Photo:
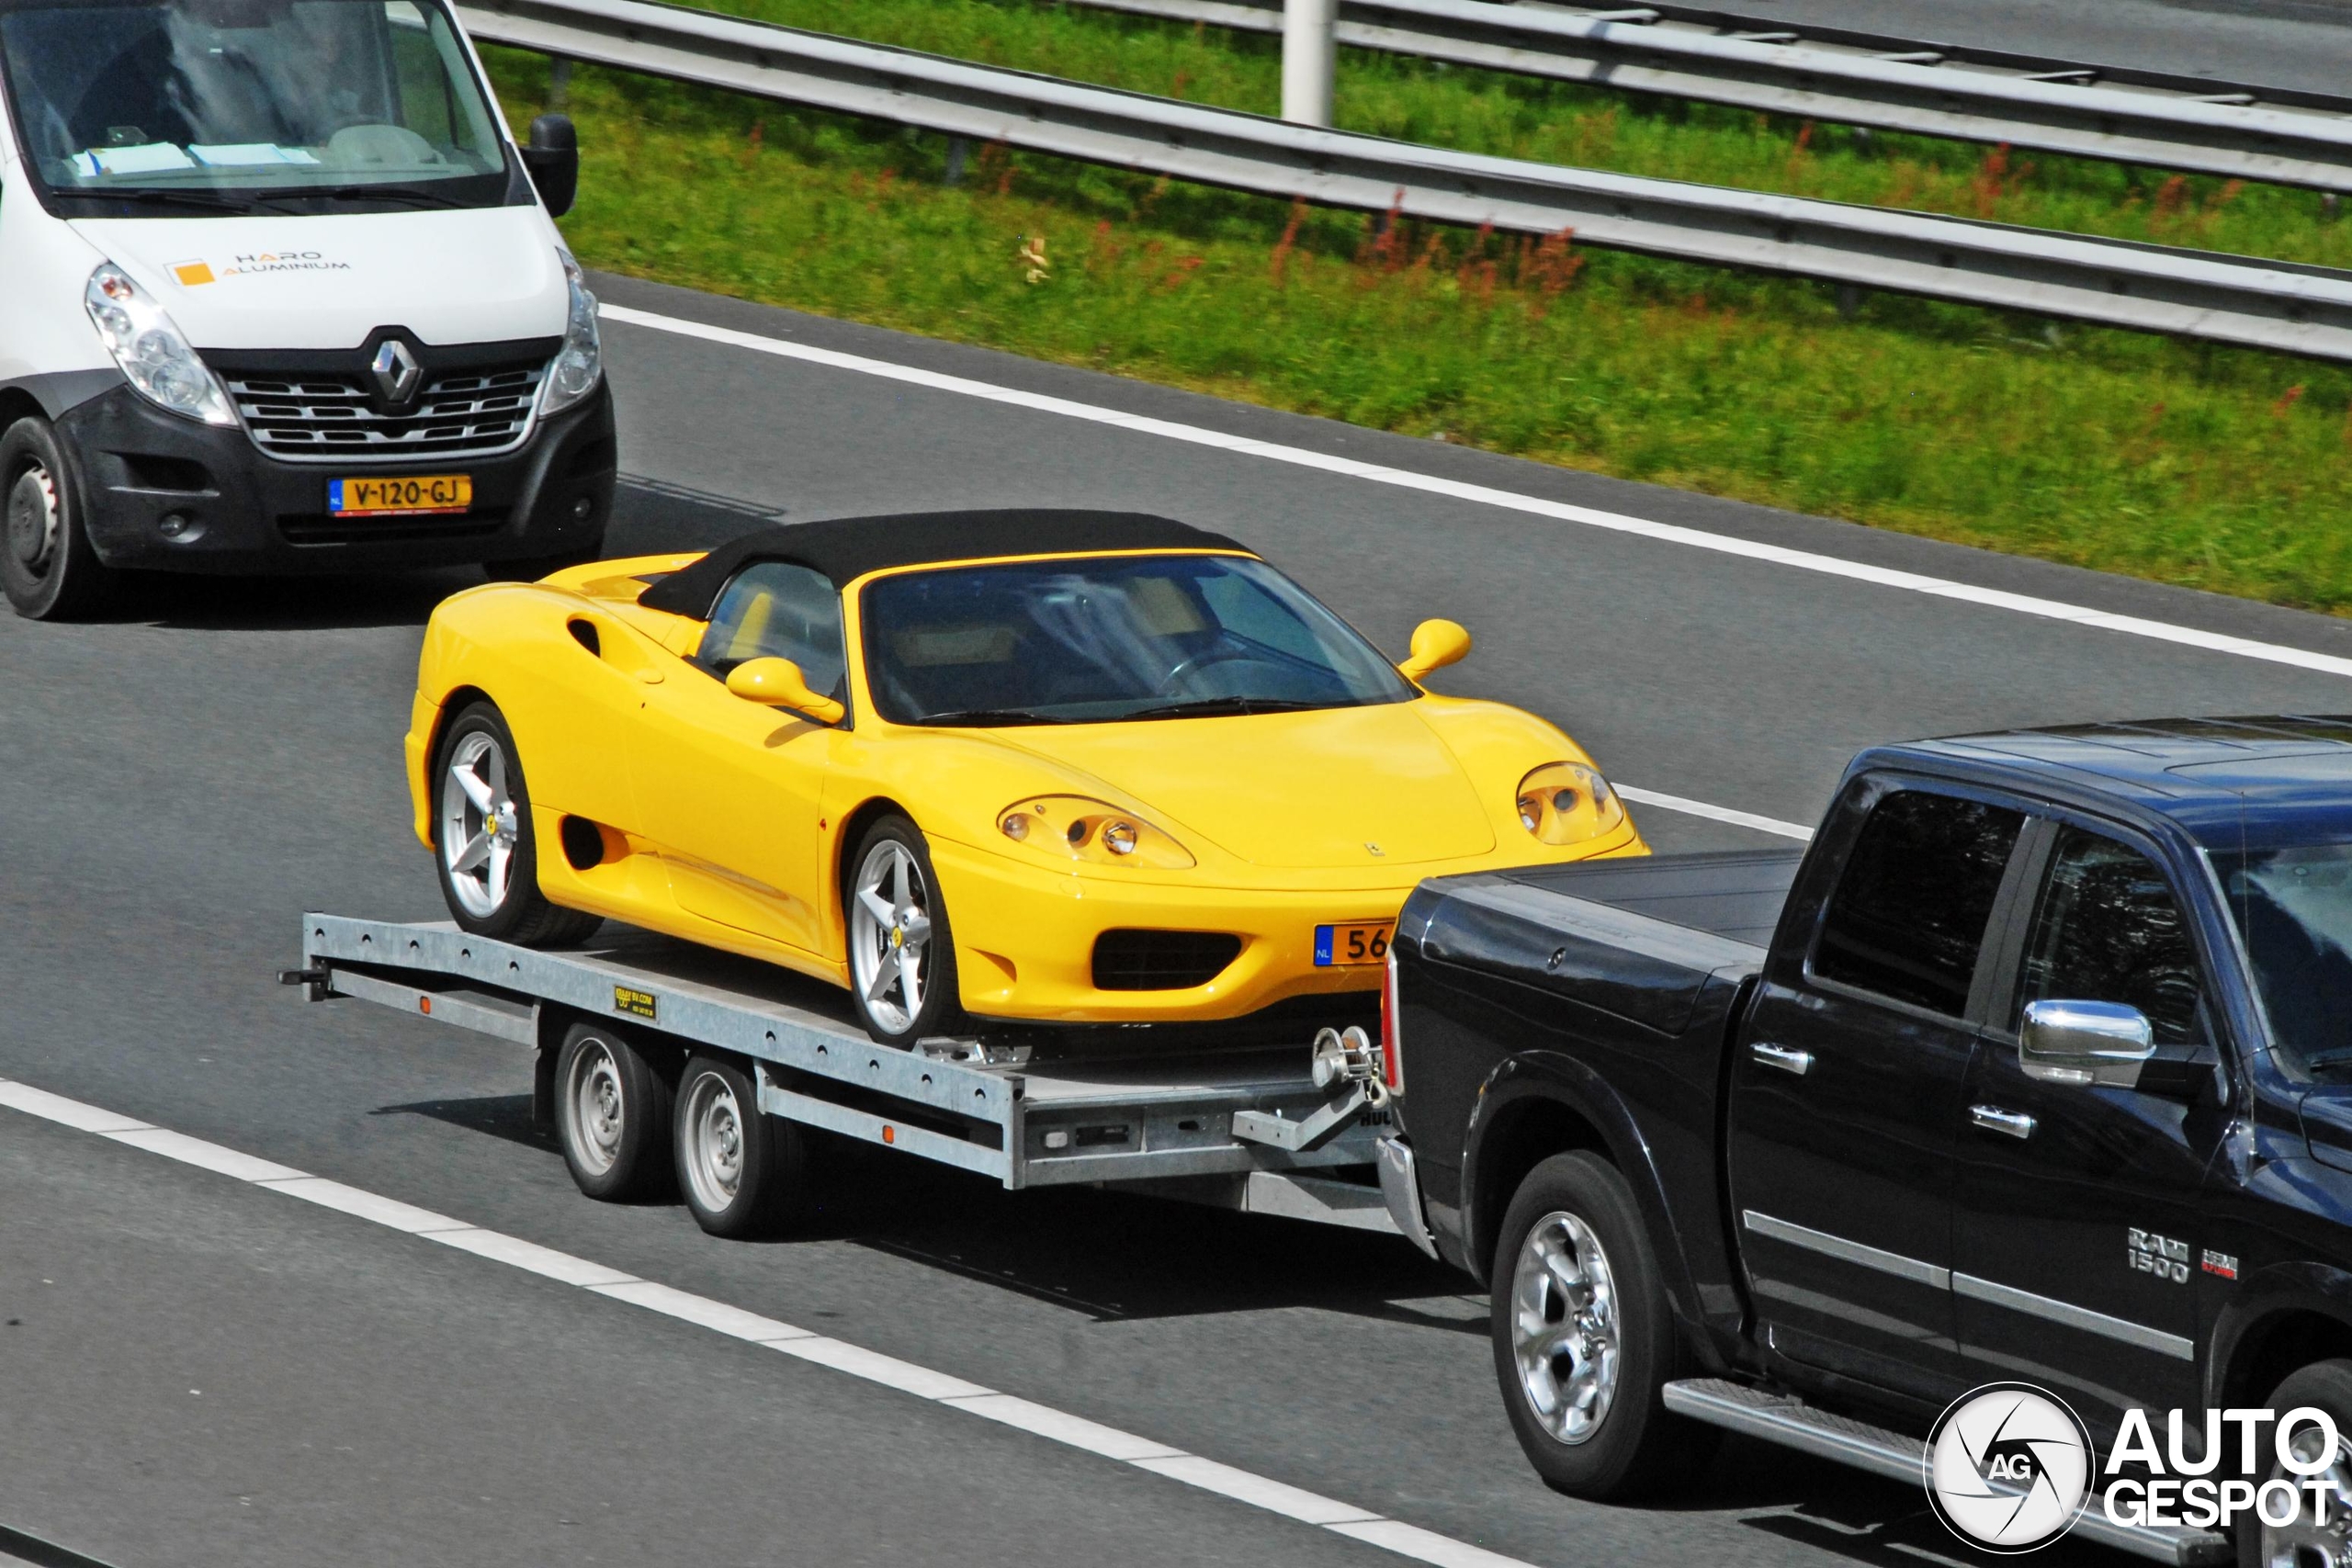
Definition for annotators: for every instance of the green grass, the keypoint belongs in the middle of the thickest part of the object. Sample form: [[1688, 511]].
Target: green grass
[[2222, 469]]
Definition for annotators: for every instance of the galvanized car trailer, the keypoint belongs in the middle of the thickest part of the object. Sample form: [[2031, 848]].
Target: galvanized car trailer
[[1301, 1130]]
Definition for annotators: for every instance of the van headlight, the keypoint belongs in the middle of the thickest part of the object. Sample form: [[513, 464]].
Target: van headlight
[[580, 363], [1566, 803], [154, 356]]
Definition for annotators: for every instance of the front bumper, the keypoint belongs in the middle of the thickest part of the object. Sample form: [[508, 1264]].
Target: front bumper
[[162, 494], [1024, 937]]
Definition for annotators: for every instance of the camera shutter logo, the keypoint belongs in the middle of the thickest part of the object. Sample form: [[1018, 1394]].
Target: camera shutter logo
[[2009, 1467]]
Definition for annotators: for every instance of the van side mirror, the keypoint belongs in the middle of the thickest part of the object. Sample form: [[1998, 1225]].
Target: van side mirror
[[1436, 644], [778, 683], [552, 159], [2085, 1042]]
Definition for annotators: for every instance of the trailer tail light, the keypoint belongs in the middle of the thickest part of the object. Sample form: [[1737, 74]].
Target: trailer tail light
[[1392, 1044]]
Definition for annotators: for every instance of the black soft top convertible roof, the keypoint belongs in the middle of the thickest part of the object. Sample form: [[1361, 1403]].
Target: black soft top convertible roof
[[846, 548]]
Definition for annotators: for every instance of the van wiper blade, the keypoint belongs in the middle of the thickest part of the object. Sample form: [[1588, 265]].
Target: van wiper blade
[[1211, 707], [164, 194], [412, 195], [991, 717]]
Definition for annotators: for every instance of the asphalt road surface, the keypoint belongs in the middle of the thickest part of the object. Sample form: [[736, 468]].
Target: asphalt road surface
[[196, 1370]]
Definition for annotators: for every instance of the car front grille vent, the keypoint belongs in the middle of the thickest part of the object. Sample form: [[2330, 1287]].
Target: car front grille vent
[[1139, 960], [328, 414]]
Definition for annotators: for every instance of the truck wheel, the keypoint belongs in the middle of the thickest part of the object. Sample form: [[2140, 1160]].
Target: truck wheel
[[612, 1110], [47, 565], [2310, 1537], [744, 1174], [901, 957], [483, 843], [1584, 1339]]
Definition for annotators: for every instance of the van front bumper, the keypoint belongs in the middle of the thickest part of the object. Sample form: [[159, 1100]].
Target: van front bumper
[[163, 494]]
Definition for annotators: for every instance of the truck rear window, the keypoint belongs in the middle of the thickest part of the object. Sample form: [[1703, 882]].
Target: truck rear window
[[1909, 913]]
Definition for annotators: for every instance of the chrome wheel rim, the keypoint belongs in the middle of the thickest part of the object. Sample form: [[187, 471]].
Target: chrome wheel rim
[[2312, 1540], [889, 944], [714, 1129], [1564, 1326], [479, 825], [599, 1117], [33, 519]]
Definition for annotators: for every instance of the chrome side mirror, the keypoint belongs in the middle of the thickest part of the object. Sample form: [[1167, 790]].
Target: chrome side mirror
[[2085, 1042]]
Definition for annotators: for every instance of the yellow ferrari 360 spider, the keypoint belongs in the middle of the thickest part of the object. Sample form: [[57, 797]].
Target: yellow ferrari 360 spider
[[1085, 767]]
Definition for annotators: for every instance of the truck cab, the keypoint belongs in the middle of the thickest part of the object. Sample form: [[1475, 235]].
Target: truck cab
[[2035, 1067], [279, 293]]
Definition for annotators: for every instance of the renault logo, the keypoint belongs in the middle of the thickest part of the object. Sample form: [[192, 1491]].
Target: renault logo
[[397, 371]]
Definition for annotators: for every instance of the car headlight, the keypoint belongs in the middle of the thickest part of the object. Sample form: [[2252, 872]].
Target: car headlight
[[155, 358], [1566, 803], [1072, 828], [580, 363]]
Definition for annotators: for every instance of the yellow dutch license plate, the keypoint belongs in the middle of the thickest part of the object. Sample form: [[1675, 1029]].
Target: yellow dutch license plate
[[1361, 941], [401, 497]]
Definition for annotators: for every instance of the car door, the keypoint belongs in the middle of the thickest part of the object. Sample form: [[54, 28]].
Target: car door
[[1847, 1083], [2077, 1236], [732, 789]]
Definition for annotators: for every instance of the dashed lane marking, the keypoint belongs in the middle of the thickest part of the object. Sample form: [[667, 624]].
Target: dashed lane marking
[[1510, 500], [948, 1393]]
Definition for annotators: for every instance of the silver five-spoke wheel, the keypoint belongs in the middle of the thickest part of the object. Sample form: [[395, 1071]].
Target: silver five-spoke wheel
[[1564, 1326], [478, 826], [711, 1154], [890, 926], [2317, 1537], [599, 1106]]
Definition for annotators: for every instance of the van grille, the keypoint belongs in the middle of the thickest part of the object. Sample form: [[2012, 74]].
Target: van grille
[[1161, 961], [329, 414]]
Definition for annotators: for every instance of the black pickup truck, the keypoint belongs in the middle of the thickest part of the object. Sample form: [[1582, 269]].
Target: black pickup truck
[[2035, 1067]]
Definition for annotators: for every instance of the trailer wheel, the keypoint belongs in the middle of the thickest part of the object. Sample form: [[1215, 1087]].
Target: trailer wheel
[[2310, 1536], [743, 1174], [1584, 1339], [484, 845], [612, 1113], [48, 566]]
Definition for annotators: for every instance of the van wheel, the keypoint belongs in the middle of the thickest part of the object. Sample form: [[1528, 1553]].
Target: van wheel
[[612, 1112], [2311, 1537], [1584, 1339], [744, 1174], [48, 566], [484, 844]]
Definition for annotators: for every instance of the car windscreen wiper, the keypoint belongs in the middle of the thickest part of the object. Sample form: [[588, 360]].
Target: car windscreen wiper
[[991, 717], [212, 200], [412, 195], [1210, 707]]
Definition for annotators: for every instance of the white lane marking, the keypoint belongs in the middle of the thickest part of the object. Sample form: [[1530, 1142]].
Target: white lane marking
[[947, 1393], [1486, 495], [1713, 813]]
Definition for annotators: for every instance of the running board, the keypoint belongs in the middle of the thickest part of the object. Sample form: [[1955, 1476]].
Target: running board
[[1792, 1424]]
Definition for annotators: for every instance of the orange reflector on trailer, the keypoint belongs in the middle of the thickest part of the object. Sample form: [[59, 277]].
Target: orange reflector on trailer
[[890, 1133]]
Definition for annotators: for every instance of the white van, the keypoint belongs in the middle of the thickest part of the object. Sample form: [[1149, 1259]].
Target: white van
[[279, 293]]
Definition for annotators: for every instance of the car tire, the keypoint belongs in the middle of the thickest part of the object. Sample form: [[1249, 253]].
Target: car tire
[[744, 1174], [49, 568], [1584, 1339], [613, 1116], [485, 848], [2328, 1386], [887, 887]]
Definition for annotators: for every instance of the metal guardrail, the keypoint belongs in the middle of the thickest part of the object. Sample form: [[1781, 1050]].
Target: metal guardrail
[[1852, 78], [2218, 298]]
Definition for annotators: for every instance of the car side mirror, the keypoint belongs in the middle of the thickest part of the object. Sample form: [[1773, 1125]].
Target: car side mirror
[[778, 683], [1436, 644], [2085, 1042], [552, 159]]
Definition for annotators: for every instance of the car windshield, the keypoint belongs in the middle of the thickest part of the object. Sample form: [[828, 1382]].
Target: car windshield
[[1089, 641], [173, 106], [2293, 909]]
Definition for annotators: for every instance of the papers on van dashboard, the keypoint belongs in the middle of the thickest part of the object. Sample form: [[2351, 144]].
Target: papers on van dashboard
[[152, 157]]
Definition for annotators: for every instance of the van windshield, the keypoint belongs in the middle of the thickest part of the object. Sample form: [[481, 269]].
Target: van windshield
[[168, 105]]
